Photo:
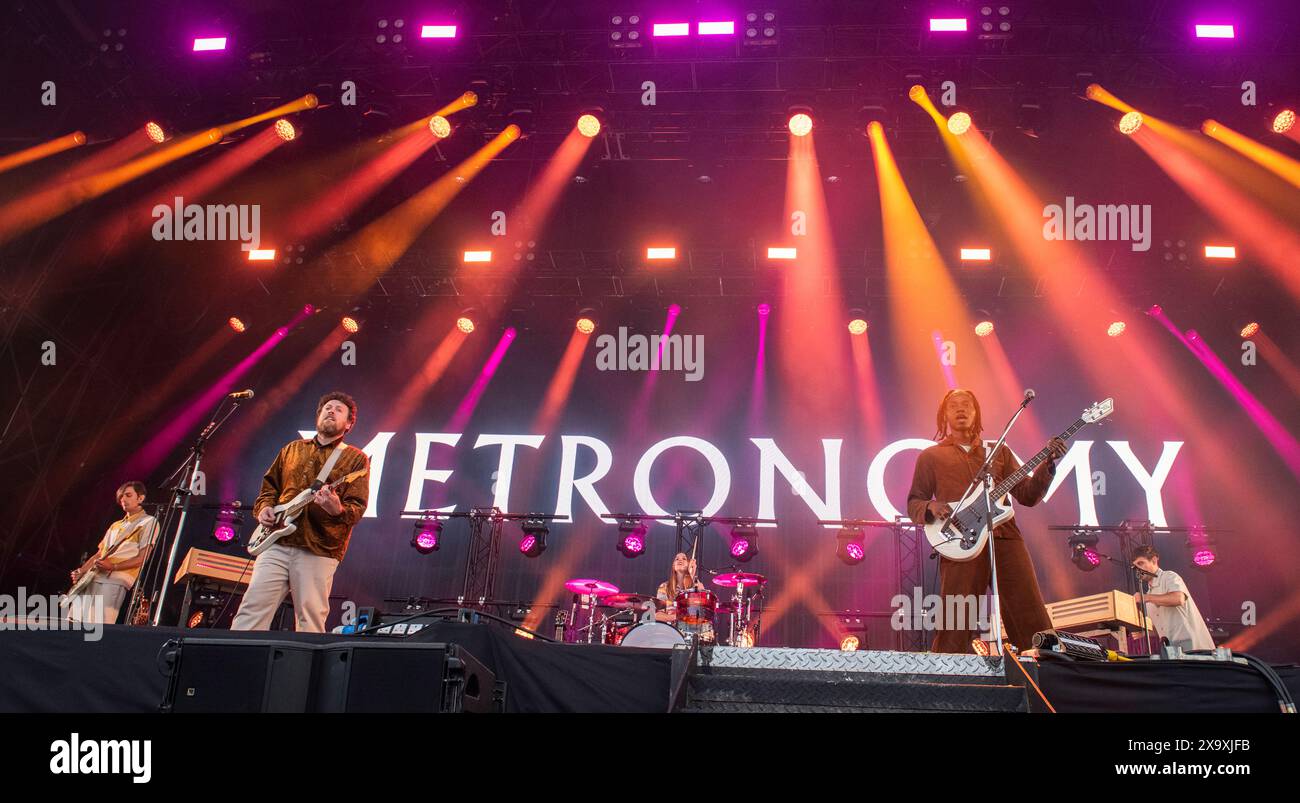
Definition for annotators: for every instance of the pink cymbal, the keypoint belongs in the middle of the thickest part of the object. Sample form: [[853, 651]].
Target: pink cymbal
[[585, 585], [733, 579]]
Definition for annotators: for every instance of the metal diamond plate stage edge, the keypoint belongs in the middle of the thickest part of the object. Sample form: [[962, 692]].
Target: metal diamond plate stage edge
[[865, 661]]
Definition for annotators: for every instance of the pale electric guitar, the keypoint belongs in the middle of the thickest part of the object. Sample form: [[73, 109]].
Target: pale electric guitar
[[962, 535], [287, 513], [83, 582]]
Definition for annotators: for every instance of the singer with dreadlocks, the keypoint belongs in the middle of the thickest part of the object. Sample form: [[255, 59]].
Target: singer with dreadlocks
[[943, 472]]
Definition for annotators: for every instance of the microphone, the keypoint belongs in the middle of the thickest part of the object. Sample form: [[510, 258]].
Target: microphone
[[1029, 395], [241, 394]]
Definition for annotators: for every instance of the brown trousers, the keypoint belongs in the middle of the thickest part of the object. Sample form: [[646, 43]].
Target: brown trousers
[[1023, 611]]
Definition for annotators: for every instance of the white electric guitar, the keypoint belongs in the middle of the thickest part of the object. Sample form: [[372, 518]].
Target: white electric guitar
[[962, 535], [287, 513]]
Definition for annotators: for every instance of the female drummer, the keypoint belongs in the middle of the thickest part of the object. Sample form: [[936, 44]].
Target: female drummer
[[680, 578]]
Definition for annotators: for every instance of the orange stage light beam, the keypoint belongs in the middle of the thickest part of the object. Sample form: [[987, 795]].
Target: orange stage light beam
[[303, 103], [534, 209], [811, 309], [1282, 165], [36, 152], [409, 143], [1011, 386], [1279, 361], [127, 147], [145, 405], [432, 370], [39, 207], [873, 412], [1269, 240], [557, 393], [923, 296], [464, 101], [1062, 268], [120, 230], [383, 241], [232, 444]]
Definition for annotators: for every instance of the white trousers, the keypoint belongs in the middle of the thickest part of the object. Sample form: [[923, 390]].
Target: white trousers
[[288, 569], [82, 608]]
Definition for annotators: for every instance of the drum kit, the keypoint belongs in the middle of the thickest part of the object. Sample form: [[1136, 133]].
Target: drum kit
[[602, 614]]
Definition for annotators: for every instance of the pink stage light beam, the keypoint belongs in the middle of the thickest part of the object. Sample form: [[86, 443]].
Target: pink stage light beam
[[465, 410]]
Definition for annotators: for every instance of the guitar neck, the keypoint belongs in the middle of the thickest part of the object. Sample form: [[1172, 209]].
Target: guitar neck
[[1012, 480]]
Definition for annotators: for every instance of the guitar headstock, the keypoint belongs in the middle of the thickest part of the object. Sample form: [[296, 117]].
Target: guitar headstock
[[1098, 411]]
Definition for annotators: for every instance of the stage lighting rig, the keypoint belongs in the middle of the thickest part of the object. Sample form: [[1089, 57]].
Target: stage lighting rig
[[1083, 550], [534, 541], [632, 537], [229, 521], [626, 31], [744, 542], [1202, 548], [427, 536], [849, 545], [761, 28]]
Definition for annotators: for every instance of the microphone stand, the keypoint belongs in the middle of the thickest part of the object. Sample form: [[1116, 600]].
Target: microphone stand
[[1135, 577], [984, 480], [177, 507]]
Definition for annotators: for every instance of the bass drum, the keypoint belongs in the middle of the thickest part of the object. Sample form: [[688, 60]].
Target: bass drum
[[653, 634]]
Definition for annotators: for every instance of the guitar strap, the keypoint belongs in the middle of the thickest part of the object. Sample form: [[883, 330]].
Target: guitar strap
[[330, 462], [134, 534]]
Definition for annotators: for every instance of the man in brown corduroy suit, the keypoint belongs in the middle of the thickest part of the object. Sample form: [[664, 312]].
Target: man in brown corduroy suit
[[943, 472]]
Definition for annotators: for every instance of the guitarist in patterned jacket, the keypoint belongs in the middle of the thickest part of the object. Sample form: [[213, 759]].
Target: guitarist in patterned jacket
[[943, 471], [303, 563], [116, 562]]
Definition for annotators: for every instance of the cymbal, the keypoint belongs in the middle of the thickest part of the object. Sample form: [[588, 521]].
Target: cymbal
[[586, 585], [733, 579], [628, 600]]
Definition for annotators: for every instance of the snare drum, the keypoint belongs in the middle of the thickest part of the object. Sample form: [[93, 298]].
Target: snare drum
[[696, 607], [652, 634]]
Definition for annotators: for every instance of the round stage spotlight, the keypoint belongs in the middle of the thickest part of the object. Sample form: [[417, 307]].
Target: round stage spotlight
[[1284, 121], [154, 132], [1083, 550], [1201, 546], [959, 123], [1250, 330], [226, 527], [465, 324], [350, 325], [588, 125], [849, 546], [1116, 329], [857, 326], [440, 126], [850, 644], [631, 538], [744, 543], [917, 92], [534, 541], [237, 325], [285, 130], [586, 326], [764, 310], [1130, 123], [427, 536], [984, 328], [801, 125]]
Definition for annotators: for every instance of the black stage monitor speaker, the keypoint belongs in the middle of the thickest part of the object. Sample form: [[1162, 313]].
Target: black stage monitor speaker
[[239, 676], [387, 677]]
